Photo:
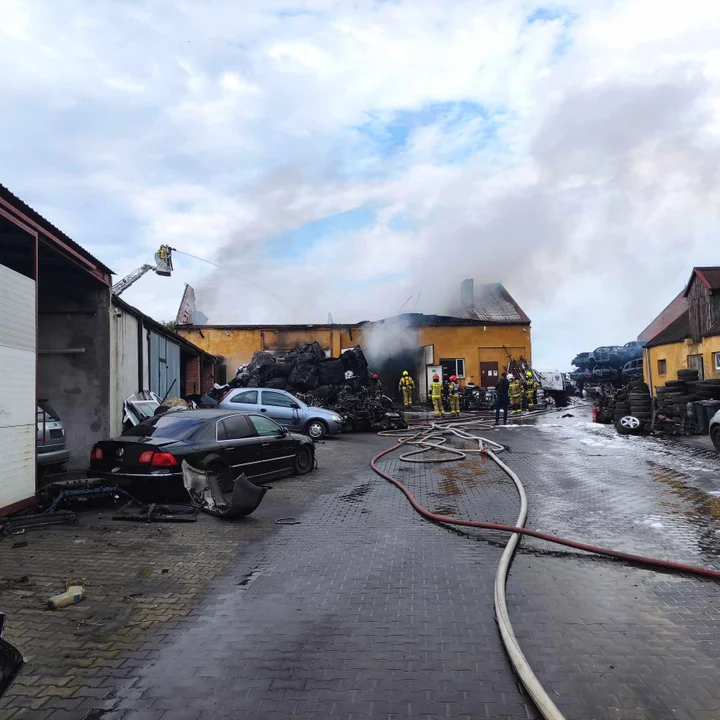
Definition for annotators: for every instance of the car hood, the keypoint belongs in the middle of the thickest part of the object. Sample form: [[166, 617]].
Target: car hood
[[323, 412]]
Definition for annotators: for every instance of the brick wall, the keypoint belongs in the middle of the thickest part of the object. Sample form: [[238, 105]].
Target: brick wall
[[208, 374], [192, 376]]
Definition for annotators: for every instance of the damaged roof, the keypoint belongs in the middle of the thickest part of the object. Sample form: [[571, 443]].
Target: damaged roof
[[494, 305], [675, 332]]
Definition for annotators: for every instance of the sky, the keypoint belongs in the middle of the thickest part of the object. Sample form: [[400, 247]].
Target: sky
[[347, 158]]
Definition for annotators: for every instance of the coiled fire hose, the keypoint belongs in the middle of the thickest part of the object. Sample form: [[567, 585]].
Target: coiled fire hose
[[433, 437]]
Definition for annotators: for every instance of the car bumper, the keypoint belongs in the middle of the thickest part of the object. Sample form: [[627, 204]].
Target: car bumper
[[53, 457], [334, 428]]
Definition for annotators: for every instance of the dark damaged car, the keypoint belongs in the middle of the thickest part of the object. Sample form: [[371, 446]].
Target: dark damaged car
[[157, 459]]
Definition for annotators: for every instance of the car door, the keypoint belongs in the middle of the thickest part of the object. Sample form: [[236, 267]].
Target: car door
[[281, 407], [240, 445], [277, 448], [245, 400]]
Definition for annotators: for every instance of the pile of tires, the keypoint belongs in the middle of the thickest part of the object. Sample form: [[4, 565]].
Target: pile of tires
[[633, 409], [672, 399], [708, 389]]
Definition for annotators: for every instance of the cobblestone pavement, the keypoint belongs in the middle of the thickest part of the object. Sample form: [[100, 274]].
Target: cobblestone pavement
[[366, 610]]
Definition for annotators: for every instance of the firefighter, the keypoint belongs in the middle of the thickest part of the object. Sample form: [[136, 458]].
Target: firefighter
[[436, 393], [516, 394], [530, 386], [376, 384], [406, 387], [454, 392]]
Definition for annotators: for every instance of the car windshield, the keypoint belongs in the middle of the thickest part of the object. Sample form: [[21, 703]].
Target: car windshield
[[173, 427]]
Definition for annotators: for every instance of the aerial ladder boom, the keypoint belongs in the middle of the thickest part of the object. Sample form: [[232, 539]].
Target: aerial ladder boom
[[163, 266]]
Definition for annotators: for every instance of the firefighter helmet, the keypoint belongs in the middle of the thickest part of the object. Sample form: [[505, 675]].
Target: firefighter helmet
[[436, 377], [453, 378], [405, 373], [528, 374], [510, 377], [375, 376]]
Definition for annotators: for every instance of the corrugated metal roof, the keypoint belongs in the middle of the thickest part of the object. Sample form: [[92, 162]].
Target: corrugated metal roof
[[49, 228], [494, 304], [675, 332]]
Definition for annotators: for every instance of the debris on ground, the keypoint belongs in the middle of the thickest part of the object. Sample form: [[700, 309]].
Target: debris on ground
[[73, 594], [19, 524], [11, 659], [218, 493], [79, 492], [156, 512]]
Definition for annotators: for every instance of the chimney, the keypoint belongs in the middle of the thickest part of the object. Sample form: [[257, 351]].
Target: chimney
[[467, 294]]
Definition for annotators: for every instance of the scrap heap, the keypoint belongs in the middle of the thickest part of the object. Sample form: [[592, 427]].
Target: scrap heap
[[341, 384]]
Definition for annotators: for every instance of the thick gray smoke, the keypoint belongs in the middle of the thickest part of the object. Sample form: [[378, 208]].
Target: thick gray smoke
[[388, 339], [612, 172]]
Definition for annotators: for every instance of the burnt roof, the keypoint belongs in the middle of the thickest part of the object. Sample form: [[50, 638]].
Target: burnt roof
[[677, 331], [422, 320], [494, 305], [52, 234], [708, 276]]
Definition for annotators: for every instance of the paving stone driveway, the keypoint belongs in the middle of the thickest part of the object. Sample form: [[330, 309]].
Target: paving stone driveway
[[365, 610]]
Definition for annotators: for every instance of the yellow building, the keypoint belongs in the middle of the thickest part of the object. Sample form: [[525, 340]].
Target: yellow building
[[692, 341], [476, 344]]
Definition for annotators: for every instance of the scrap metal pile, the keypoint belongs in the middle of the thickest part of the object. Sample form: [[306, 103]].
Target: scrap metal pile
[[340, 384]]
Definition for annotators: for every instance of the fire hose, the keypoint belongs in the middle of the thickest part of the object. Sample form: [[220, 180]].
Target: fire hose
[[434, 437]]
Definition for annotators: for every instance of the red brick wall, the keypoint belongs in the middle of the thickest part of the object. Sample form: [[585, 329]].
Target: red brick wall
[[192, 376], [208, 374]]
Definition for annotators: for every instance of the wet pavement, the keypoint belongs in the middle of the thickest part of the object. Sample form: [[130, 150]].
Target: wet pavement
[[364, 610]]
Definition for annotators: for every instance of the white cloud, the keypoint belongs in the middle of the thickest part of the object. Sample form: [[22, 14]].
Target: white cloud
[[588, 185]]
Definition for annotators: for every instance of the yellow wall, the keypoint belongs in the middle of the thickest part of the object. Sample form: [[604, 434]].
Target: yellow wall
[[472, 343], [237, 345], [475, 344], [676, 355]]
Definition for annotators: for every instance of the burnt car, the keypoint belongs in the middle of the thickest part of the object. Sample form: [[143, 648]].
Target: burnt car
[[604, 372], [610, 354], [148, 460], [633, 370]]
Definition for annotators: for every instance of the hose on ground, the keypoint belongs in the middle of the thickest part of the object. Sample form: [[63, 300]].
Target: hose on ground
[[434, 437]]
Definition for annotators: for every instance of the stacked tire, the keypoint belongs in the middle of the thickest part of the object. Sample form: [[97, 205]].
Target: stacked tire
[[708, 390], [672, 399], [633, 409]]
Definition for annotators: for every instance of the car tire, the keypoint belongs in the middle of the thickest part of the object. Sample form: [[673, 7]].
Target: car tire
[[629, 425], [303, 462], [715, 437], [316, 429]]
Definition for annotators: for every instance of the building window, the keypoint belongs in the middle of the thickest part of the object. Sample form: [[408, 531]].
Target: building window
[[453, 366], [662, 367], [716, 356]]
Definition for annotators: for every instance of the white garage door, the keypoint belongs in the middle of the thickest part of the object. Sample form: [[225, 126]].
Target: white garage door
[[17, 387]]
